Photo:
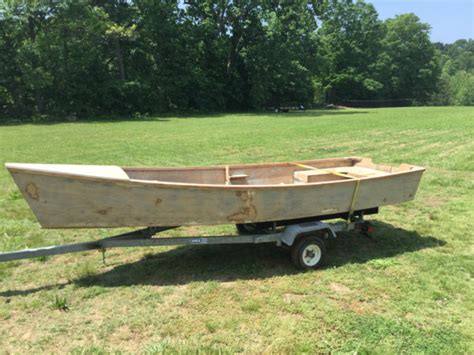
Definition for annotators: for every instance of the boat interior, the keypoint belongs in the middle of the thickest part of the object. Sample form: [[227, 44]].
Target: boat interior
[[304, 172]]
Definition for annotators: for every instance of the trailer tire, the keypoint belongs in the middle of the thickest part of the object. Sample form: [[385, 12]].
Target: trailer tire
[[252, 228], [308, 252], [246, 228]]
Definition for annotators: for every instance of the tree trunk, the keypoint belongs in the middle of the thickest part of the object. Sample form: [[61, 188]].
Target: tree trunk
[[119, 56]]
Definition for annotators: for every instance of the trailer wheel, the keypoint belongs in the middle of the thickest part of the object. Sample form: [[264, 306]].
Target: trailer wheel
[[308, 252]]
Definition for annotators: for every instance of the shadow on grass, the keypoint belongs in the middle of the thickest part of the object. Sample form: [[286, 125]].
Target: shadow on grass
[[169, 116], [13, 293], [240, 262], [388, 241]]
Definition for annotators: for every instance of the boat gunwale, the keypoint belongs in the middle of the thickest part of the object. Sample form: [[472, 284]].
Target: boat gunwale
[[170, 184], [239, 166]]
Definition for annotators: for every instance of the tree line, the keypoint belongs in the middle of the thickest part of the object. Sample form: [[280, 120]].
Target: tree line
[[94, 57]]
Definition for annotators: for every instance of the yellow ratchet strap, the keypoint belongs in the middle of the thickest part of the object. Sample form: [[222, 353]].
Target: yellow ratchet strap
[[354, 199]]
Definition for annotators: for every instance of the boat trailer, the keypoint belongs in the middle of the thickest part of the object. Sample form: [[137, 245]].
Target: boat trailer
[[305, 240]]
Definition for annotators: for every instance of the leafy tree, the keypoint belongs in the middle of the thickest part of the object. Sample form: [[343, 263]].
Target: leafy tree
[[457, 63], [409, 69], [224, 30], [350, 42], [456, 56], [74, 53], [96, 57], [280, 64], [25, 78]]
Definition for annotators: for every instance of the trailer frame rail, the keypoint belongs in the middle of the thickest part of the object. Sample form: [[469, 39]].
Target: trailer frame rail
[[145, 238]]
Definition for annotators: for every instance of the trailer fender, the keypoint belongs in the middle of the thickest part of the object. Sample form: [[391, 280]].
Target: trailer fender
[[292, 232]]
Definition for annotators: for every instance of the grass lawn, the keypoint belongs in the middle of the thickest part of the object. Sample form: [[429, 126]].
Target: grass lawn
[[410, 289]]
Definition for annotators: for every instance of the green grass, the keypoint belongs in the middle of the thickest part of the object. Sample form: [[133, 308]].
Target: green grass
[[410, 289]]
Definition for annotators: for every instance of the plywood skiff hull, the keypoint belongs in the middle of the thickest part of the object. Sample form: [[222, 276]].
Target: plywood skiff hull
[[77, 196]]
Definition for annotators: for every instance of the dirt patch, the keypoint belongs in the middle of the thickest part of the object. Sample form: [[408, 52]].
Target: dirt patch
[[359, 307], [292, 297], [434, 201], [340, 289]]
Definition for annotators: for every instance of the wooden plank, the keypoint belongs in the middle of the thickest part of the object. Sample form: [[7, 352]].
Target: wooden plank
[[227, 175], [344, 175]]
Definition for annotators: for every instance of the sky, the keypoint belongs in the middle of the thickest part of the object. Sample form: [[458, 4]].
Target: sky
[[449, 19]]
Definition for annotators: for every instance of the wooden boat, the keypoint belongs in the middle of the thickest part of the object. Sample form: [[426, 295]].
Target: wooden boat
[[85, 196]]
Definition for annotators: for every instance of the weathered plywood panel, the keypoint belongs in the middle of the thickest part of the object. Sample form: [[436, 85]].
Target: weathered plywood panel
[[64, 202], [61, 200]]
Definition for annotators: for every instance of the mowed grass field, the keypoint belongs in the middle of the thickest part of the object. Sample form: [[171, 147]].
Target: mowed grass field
[[409, 289]]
